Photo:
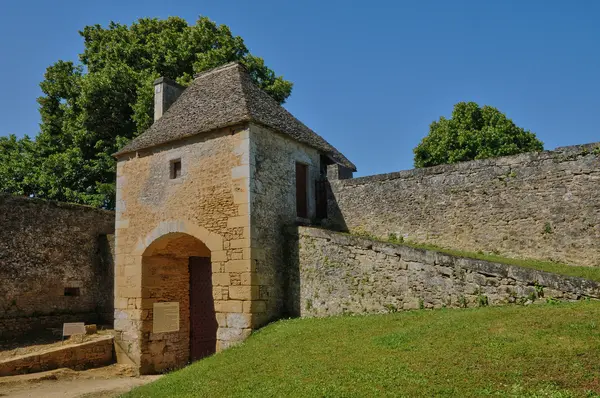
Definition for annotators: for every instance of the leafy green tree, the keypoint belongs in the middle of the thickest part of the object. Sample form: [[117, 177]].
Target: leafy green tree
[[473, 133], [17, 161], [91, 109]]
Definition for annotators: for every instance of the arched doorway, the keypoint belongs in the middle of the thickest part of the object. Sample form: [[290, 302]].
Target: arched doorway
[[179, 323]]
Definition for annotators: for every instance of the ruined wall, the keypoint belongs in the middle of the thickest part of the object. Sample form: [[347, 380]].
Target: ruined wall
[[91, 354], [537, 205], [339, 273], [45, 248], [210, 202], [273, 207]]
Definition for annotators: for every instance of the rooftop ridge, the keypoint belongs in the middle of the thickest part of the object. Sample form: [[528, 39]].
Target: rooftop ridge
[[220, 68]]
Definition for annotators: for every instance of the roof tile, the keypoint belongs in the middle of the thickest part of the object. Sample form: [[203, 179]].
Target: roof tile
[[222, 97]]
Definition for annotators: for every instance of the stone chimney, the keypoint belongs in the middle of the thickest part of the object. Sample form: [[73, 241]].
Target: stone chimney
[[166, 91]]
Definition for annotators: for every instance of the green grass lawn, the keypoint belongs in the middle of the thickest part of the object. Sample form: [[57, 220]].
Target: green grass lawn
[[513, 351]]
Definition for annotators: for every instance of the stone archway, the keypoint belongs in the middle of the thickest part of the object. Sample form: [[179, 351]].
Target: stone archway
[[176, 273]]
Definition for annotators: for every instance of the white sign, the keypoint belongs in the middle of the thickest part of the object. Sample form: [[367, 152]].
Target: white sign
[[70, 329], [165, 317]]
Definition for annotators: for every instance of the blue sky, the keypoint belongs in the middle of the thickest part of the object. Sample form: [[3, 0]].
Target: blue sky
[[368, 76]]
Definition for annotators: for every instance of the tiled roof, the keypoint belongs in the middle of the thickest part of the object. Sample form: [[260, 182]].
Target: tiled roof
[[223, 97]]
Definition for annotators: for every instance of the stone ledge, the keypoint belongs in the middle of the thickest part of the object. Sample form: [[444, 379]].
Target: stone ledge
[[78, 357]]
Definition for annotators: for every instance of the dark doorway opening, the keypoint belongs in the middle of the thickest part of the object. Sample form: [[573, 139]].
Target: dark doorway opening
[[203, 321]]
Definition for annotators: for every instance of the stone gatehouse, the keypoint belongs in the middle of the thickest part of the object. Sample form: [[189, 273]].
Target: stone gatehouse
[[207, 244], [203, 198]]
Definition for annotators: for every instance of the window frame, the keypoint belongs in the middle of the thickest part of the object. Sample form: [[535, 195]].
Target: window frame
[[174, 171]]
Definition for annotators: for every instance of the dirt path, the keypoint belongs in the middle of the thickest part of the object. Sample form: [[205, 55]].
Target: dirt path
[[109, 381]]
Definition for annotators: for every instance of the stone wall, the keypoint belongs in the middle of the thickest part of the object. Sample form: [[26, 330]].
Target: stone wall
[[92, 354], [340, 273], [56, 265], [273, 207], [537, 205]]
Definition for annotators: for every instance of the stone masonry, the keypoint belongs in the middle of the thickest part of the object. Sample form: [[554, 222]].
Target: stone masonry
[[56, 265], [273, 208], [90, 354], [344, 274], [209, 202], [535, 205]]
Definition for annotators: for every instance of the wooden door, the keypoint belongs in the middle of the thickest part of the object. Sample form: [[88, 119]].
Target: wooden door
[[203, 322]]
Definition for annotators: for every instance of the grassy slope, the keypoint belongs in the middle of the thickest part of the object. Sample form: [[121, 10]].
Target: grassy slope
[[537, 351]]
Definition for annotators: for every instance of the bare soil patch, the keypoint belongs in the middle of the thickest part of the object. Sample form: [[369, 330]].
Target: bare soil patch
[[109, 381]]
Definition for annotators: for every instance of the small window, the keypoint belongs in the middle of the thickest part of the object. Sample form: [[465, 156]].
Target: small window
[[175, 169], [72, 291], [301, 191]]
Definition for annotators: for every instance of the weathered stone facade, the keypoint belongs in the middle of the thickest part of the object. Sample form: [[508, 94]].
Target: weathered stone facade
[[208, 205], [340, 273], [216, 176], [273, 208], [56, 265], [535, 205]]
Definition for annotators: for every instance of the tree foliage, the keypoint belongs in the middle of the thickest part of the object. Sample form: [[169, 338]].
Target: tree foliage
[[91, 109], [473, 133]]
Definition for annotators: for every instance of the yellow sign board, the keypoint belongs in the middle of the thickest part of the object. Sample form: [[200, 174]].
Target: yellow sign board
[[165, 317]]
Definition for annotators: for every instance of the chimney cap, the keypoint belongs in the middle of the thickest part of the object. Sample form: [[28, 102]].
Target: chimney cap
[[168, 81]]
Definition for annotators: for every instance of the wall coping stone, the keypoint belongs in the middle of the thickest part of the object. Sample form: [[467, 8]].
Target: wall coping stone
[[558, 154], [52, 203]]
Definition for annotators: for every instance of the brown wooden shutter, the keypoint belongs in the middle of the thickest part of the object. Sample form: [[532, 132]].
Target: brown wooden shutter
[[301, 192]]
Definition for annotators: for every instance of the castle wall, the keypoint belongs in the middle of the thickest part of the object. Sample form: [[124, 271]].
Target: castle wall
[[273, 207], [344, 274], [536, 205], [56, 265]]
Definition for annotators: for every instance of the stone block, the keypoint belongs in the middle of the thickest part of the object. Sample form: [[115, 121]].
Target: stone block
[[228, 306], [232, 334], [240, 172], [220, 279], [238, 221], [241, 197], [238, 266], [243, 209], [411, 304], [241, 321], [221, 319], [218, 256], [239, 243], [243, 292]]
